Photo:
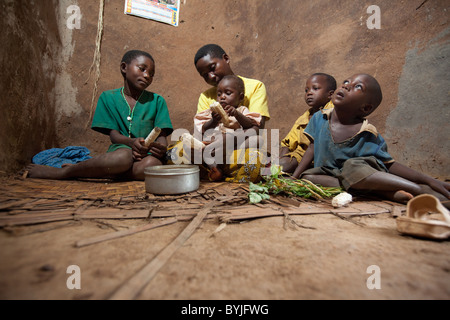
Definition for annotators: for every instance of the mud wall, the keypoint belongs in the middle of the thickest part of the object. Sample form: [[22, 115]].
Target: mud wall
[[30, 47], [278, 42]]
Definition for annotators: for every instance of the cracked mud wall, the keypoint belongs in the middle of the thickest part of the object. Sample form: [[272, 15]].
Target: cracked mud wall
[[29, 46], [280, 43]]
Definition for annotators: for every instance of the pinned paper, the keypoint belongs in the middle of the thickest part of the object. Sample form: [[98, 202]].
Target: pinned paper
[[166, 11]]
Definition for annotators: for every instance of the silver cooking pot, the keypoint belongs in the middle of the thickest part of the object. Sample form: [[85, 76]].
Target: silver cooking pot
[[172, 179]]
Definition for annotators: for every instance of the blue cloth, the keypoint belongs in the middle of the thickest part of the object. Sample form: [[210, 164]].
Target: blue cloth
[[332, 155], [56, 157]]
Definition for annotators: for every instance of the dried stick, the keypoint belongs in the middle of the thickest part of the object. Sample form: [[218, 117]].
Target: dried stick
[[132, 288], [123, 233]]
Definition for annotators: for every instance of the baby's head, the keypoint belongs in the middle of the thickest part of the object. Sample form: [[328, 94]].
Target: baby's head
[[319, 90], [231, 91], [138, 68], [212, 63], [360, 95]]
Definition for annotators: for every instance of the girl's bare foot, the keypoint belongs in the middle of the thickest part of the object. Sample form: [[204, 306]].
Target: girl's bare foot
[[45, 172]]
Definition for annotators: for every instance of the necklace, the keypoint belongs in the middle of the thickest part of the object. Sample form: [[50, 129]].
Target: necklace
[[131, 112]]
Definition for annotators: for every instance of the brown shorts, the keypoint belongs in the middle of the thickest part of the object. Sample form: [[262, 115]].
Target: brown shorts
[[353, 171]]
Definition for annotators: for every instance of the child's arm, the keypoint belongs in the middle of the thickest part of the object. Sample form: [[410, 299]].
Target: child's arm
[[244, 121], [159, 148], [118, 138], [212, 123], [419, 178], [283, 151], [306, 161], [137, 145]]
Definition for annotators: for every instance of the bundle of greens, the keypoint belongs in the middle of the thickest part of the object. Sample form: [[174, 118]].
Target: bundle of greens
[[277, 184]]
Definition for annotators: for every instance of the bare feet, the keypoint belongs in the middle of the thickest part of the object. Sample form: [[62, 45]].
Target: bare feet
[[45, 172], [402, 196], [215, 174]]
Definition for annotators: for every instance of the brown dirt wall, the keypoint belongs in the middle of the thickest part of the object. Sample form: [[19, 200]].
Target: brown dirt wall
[[280, 43], [29, 44]]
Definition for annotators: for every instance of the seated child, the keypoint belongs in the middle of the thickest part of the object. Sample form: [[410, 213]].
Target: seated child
[[349, 151], [212, 63], [127, 115], [318, 91], [230, 95]]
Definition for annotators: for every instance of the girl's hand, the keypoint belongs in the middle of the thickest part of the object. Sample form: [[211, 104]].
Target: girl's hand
[[138, 149], [157, 150]]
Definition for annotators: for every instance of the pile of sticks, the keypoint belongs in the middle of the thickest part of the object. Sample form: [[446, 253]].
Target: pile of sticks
[[32, 203]]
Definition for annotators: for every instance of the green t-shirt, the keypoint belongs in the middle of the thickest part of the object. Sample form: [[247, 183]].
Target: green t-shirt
[[113, 112]]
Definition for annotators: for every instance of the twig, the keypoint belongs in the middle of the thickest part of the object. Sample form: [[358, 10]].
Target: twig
[[218, 229], [139, 281], [347, 219], [318, 197], [106, 224], [421, 5], [287, 218], [123, 233]]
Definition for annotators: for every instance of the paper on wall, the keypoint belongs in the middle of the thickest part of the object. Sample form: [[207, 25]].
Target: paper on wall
[[166, 11]]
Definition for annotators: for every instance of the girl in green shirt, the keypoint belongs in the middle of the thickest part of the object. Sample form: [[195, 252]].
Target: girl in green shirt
[[127, 115]]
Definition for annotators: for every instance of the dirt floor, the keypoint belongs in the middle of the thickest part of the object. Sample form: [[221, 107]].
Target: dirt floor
[[282, 249]]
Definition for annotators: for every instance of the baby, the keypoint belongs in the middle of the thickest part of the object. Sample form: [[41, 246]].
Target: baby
[[242, 123]]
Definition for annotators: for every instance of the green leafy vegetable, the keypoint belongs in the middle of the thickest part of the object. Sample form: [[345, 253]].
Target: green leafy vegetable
[[277, 184]]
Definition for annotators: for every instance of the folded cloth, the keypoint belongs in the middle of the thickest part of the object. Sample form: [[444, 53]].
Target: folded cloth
[[56, 157]]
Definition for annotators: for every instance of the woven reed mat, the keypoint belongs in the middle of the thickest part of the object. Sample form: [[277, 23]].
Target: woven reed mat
[[32, 201]]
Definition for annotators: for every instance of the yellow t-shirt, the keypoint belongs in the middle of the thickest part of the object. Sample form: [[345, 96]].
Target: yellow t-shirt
[[255, 97], [296, 140]]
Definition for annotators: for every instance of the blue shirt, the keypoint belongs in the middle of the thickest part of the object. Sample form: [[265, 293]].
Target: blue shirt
[[367, 142]]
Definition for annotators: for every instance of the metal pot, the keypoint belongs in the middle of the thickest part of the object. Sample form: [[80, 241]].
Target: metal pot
[[172, 179]]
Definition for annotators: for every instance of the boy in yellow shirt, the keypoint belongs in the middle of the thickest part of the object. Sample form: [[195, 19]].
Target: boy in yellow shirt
[[212, 63], [318, 91]]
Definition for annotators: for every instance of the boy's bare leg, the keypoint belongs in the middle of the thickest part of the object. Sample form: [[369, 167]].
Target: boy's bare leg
[[329, 181], [107, 165], [397, 196], [323, 180], [395, 187]]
